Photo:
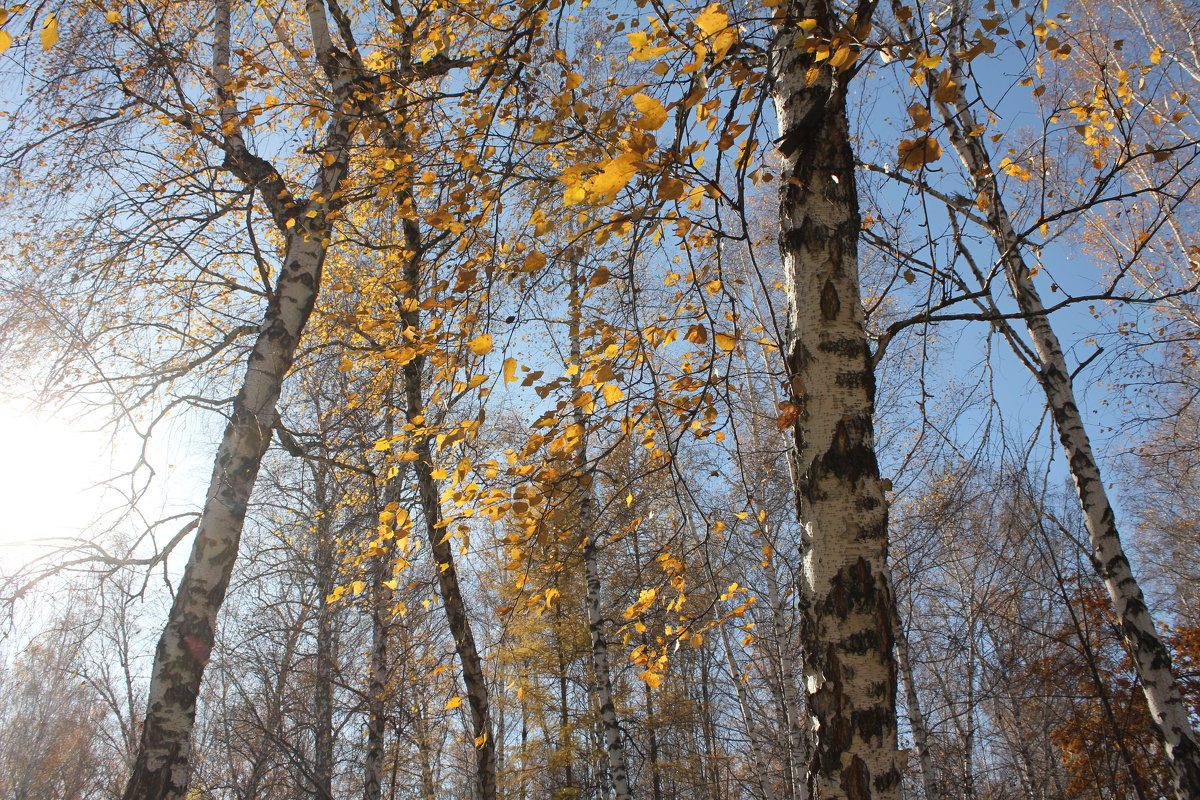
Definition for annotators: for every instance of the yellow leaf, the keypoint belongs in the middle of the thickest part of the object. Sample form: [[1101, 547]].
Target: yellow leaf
[[510, 370], [653, 112], [725, 341], [612, 179], [1156, 55], [696, 334], [453, 702], [574, 195], [712, 19], [645, 600], [113, 16], [696, 640], [481, 345], [613, 394], [5, 41], [481, 740], [49, 32], [916, 153], [947, 89], [931, 62], [574, 80], [358, 587], [652, 679], [725, 40], [586, 403], [843, 58]]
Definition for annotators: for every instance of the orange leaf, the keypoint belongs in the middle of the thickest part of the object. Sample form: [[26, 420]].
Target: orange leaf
[[916, 153]]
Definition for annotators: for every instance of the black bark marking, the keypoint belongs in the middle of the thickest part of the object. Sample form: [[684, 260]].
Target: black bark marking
[[831, 304]]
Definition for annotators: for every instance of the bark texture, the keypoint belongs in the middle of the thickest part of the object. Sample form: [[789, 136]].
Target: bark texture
[[1150, 656], [849, 671], [161, 770]]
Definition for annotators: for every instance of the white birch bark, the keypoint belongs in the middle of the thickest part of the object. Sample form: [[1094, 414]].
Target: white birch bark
[[845, 602], [161, 770]]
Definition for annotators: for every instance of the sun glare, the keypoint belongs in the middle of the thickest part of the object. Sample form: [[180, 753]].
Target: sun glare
[[48, 480]]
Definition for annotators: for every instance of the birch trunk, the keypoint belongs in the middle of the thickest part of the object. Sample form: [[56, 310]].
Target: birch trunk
[[377, 685], [614, 745], [161, 769], [1150, 657], [845, 602], [916, 720], [565, 744]]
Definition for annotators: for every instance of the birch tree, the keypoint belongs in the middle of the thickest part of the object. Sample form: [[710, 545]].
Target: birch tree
[[847, 635]]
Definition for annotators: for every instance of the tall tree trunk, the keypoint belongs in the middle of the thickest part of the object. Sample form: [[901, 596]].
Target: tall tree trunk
[[1151, 658], [745, 706], [565, 739], [161, 770], [653, 754], [325, 565], [457, 616], [916, 720], [845, 601], [377, 684], [614, 744]]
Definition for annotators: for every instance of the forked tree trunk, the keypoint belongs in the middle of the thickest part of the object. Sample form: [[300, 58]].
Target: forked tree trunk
[[1151, 658], [161, 770], [845, 601]]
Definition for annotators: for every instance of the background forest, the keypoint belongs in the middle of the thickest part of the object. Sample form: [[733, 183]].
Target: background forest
[[748, 400]]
